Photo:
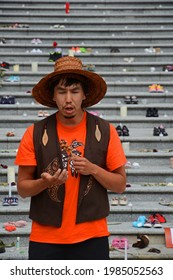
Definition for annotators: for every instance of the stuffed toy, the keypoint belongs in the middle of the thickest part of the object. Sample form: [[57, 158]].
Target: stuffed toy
[[142, 241]]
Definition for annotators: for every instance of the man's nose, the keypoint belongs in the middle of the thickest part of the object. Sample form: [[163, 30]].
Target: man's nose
[[68, 97]]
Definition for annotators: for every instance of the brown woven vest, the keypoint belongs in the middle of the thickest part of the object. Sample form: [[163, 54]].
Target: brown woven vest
[[47, 207]]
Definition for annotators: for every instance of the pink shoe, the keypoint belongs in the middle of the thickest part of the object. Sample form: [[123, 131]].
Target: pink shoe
[[116, 243], [122, 243]]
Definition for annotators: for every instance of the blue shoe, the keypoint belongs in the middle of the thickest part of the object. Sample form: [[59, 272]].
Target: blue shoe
[[12, 79], [140, 222]]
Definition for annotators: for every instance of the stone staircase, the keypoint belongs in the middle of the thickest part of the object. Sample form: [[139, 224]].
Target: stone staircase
[[121, 35]]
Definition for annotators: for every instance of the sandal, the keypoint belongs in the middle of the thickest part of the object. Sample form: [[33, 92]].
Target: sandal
[[115, 201], [19, 224], [3, 166], [123, 200], [154, 250], [10, 133], [40, 113], [164, 202], [10, 228]]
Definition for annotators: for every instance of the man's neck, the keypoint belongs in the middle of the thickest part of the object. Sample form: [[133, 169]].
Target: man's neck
[[71, 121]]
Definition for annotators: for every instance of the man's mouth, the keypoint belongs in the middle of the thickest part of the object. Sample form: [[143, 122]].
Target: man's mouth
[[69, 110]]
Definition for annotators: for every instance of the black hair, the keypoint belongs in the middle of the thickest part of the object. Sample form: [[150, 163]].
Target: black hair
[[68, 80]]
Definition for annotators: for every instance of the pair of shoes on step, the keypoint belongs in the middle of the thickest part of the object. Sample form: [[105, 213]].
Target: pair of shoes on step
[[153, 220], [122, 201], [118, 243], [139, 222], [19, 224], [43, 113], [152, 112], [10, 201], [122, 130], [132, 165], [159, 131], [156, 88], [131, 99]]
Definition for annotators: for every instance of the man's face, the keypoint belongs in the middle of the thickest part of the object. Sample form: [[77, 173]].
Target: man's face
[[69, 99]]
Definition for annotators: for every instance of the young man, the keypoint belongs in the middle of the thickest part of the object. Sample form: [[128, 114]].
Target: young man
[[67, 163]]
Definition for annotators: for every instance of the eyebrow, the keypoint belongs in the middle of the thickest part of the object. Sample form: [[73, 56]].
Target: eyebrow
[[63, 87]]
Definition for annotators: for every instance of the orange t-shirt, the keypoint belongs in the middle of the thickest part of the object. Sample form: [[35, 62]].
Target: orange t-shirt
[[70, 232]]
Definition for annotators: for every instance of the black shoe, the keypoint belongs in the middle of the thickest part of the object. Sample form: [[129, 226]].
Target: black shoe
[[57, 55], [162, 131], [119, 130], [149, 112], [114, 50], [51, 57], [155, 112], [127, 99], [134, 99], [156, 131], [125, 130], [2, 41], [5, 65]]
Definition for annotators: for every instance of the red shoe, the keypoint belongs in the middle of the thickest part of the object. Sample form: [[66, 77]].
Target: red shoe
[[149, 222], [160, 88], [152, 88], [160, 218], [10, 228]]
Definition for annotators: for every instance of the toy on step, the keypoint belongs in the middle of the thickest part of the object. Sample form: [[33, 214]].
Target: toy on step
[[142, 241], [56, 54], [10, 200], [67, 7]]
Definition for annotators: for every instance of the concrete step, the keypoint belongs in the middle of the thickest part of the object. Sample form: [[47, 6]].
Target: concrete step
[[132, 254], [130, 121], [152, 158], [130, 3], [89, 7], [111, 99], [111, 40], [117, 230], [64, 32], [21, 253], [136, 142], [51, 24], [93, 57], [113, 86], [123, 76], [109, 65], [136, 207], [145, 173], [102, 16], [137, 192], [103, 109]]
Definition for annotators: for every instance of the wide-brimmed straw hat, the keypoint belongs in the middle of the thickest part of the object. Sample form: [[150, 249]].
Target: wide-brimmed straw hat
[[69, 64]]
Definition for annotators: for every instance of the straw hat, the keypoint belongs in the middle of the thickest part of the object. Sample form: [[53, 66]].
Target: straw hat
[[68, 64]]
